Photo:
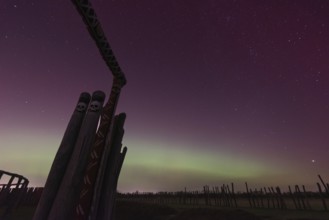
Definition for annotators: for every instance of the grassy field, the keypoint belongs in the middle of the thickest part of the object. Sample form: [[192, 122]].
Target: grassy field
[[146, 211]]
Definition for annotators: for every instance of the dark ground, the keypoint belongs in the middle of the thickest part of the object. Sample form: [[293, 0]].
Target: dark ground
[[142, 211], [145, 211]]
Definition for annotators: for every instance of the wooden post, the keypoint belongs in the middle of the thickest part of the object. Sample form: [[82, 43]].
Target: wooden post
[[248, 195], [324, 185], [106, 185], [274, 197], [282, 203], [267, 197], [18, 192], [306, 198], [322, 197], [205, 195], [300, 197], [252, 196], [293, 197], [6, 197], [184, 196], [62, 158], [228, 196], [262, 197], [67, 195], [233, 196], [8, 186], [256, 197], [225, 197], [215, 195]]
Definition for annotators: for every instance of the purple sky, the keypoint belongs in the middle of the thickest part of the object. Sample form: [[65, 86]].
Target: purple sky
[[217, 91]]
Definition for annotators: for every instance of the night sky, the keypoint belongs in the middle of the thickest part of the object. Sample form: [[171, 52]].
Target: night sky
[[218, 91]]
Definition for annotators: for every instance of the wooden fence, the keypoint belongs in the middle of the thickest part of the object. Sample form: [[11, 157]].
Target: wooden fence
[[14, 192], [225, 196], [295, 198]]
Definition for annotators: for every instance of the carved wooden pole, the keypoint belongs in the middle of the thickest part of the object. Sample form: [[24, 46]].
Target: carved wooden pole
[[108, 175], [95, 29], [89, 16], [68, 192], [62, 158], [86, 193]]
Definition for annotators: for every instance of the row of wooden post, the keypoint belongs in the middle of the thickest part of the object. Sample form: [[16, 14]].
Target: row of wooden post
[[225, 196]]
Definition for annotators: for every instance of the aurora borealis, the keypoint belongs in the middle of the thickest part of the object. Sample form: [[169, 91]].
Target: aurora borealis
[[218, 91]]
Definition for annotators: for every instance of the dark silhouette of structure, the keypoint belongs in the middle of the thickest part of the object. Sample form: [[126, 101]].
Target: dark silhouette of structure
[[11, 192], [86, 180]]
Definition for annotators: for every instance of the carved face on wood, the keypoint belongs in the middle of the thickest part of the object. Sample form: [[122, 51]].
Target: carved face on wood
[[95, 106], [81, 107]]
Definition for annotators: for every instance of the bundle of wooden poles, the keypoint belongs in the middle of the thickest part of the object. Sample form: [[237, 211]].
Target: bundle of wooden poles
[[83, 178], [64, 186]]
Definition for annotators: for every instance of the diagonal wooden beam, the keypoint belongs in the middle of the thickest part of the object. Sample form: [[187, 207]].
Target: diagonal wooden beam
[[95, 29]]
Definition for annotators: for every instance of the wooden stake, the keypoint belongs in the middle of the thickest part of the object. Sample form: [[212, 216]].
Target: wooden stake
[[62, 158], [67, 195]]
